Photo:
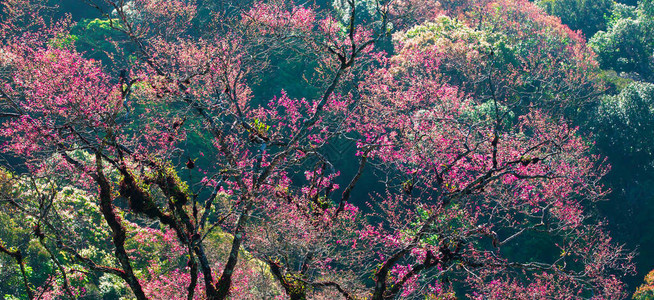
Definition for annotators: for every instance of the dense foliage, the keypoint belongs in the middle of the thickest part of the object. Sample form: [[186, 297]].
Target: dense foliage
[[350, 149], [627, 45], [587, 16]]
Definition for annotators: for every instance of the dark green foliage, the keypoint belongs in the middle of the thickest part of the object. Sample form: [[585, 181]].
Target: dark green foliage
[[625, 127], [95, 36], [624, 131], [589, 16], [293, 75]]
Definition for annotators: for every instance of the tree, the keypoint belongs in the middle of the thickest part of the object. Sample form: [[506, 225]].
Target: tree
[[646, 290], [628, 43], [530, 57], [622, 124], [168, 153], [471, 168]]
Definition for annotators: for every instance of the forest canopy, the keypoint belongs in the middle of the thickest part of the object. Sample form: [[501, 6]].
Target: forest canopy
[[346, 149]]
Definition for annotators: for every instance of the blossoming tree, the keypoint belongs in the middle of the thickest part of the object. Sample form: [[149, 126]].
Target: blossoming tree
[[193, 187]]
